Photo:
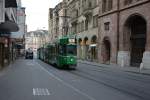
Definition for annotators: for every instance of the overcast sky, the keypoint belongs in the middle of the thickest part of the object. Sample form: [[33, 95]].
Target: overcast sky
[[37, 13]]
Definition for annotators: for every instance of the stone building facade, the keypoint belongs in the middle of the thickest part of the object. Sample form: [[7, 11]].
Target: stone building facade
[[50, 24], [83, 24], [124, 32], [107, 31], [78, 18], [57, 22], [36, 39]]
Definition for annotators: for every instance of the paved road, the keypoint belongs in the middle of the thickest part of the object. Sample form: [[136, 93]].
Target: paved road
[[35, 80]]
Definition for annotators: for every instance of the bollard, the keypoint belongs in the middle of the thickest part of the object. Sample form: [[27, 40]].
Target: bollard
[[122, 63], [141, 67]]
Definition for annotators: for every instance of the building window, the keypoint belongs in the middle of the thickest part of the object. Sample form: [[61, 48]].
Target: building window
[[127, 2], [90, 5], [106, 26], [104, 6], [95, 21], [51, 15], [107, 5], [86, 24], [79, 27], [82, 26]]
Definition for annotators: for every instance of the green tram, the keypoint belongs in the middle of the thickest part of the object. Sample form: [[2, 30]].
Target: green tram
[[62, 53], [40, 53]]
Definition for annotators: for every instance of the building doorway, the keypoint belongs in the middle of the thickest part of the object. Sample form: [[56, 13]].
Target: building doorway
[[106, 51], [86, 48], [93, 48], [136, 25], [80, 49]]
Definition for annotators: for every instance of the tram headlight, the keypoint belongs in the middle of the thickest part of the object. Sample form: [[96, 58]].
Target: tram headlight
[[71, 59]]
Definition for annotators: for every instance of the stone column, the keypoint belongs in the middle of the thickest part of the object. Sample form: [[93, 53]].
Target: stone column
[[100, 52], [146, 55], [83, 51], [123, 58], [79, 52]]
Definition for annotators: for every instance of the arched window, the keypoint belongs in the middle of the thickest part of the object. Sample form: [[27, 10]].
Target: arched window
[[127, 2], [107, 5]]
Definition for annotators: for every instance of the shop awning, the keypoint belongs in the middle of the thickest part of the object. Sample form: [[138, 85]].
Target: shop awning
[[9, 26], [93, 45]]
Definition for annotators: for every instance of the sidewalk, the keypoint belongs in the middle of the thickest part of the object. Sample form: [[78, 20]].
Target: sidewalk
[[117, 67], [4, 70]]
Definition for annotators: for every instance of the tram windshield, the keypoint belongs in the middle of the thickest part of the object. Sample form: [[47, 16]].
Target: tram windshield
[[71, 49], [68, 50]]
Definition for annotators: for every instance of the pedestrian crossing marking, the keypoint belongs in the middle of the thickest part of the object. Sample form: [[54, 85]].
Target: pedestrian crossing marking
[[30, 64], [41, 92]]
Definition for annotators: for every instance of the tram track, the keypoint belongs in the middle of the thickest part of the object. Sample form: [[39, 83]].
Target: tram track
[[123, 87], [123, 74], [131, 90]]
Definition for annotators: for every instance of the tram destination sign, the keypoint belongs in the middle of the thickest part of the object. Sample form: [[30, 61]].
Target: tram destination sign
[[71, 40]]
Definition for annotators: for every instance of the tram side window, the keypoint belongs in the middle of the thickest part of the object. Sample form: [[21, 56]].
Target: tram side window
[[62, 49]]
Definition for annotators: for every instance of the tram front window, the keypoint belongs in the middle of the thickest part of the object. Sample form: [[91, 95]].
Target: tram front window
[[71, 49]]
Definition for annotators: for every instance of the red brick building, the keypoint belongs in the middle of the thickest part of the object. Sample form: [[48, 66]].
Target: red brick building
[[124, 32]]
